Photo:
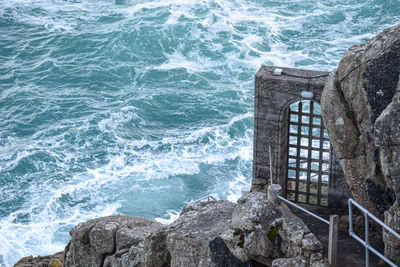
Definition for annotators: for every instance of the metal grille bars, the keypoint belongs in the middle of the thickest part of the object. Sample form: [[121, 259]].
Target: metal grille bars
[[308, 151]]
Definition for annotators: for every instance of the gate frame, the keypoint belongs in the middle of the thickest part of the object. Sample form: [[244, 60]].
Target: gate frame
[[273, 95]]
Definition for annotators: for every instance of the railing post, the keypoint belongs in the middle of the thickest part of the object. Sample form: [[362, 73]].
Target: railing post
[[333, 239], [366, 230], [350, 218]]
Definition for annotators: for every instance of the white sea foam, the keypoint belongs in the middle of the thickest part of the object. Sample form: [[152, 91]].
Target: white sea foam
[[91, 167], [38, 237], [171, 215], [181, 158]]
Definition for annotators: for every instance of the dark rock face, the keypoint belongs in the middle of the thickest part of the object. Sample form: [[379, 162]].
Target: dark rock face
[[380, 79], [382, 200], [189, 236], [221, 256], [361, 112]]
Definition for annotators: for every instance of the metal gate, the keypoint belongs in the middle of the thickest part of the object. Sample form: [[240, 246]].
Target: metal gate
[[308, 155]]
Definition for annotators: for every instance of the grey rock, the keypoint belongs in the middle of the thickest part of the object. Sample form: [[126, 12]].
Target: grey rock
[[252, 219], [118, 260], [188, 238], [364, 94], [102, 237], [55, 260], [221, 255], [262, 230], [155, 252], [214, 233], [392, 244], [294, 229], [289, 262], [362, 119], [78, 252], [310, 244], [387, 137], [110, 236], [317, 260]]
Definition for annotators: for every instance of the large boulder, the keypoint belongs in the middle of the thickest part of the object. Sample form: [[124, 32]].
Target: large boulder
[[263, 231], [360, 108], [248, 236], [109, 241], [193, 239]]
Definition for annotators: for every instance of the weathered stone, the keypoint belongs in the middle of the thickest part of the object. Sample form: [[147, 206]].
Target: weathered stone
[[273, 95], [387, 137], [132, 257], [362, 119], [290, 262], [102, 237], [294, 229], [273, 191], [155, 250], [221, 256], [117, 260], [310, 244], [78, 252], [392, 244], [344, 135], [364, 91], [317, 260], [55, 260], [109, 236], [188, 238], [261, 230], [252, 219], [214, 233]]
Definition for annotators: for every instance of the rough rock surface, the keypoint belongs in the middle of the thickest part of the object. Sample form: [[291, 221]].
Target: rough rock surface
[[262, 231], [316, 261], [109, 241], [213, 233], [252, 219], [290, 262], [360, 108], [55, 260], [192, 240]]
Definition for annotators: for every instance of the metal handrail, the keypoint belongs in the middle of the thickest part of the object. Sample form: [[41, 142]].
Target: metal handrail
[[302, 209], [365, 242], [333, 230], [206, 198]]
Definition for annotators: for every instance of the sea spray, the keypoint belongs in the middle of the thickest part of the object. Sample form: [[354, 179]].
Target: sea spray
[[140, 107]]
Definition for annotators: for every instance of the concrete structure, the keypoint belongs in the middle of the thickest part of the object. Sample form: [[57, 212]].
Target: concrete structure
[[273, 96]]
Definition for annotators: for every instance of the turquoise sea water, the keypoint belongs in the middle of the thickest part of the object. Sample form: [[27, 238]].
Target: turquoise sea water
[[140, 107]]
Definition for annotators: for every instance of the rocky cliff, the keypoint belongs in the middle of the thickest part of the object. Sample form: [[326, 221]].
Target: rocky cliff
[[216, 233], [360, 108]]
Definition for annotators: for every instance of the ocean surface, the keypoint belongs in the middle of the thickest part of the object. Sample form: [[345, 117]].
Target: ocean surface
[[141, 107]]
